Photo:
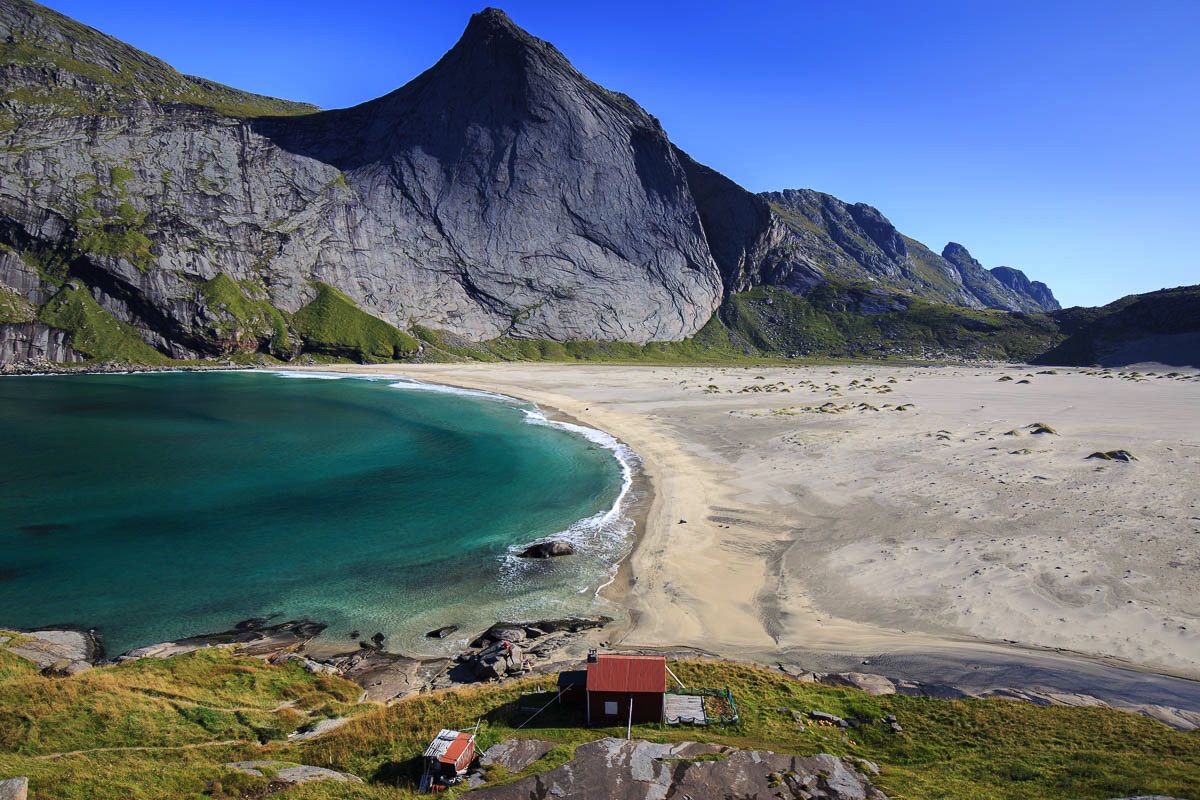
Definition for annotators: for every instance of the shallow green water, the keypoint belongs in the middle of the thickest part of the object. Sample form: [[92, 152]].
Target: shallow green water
[[155, 506]]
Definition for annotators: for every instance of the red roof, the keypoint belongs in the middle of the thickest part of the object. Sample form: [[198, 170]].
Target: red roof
[[613, 673], [456, 749]]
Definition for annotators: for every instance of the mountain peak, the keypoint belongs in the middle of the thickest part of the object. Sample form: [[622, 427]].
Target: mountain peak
[[492, 30], [494, 17], [956, 254]]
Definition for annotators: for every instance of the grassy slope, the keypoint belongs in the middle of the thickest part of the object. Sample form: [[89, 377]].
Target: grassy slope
[[45, 40], [962, 749], [1092, 331], [243, 322], [94, 331], [333, 325], [826, 323], [153, 728]]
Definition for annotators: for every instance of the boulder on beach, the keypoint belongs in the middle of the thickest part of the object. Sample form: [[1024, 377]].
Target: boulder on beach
[[548, 550], [442, 632]]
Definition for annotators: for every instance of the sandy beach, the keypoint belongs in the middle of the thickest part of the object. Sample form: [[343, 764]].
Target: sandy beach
[[862, 509]]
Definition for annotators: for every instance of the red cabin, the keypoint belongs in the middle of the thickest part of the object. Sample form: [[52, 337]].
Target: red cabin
[[624, 689], [447, 759]]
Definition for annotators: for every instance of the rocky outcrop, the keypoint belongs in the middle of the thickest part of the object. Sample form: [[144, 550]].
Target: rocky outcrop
[[1161, 327], [857, 243], [749, 242], [14, 789], [516, 754], [987, 287], [289, 773], [1036, 291], [639, 770], [34, 342], [57, 653]]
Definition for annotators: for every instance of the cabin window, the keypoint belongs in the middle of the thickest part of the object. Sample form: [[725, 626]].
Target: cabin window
[[610, 708]]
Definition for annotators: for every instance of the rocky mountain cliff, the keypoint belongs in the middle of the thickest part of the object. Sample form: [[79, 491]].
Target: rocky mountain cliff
[[501, 193], [855, 242]]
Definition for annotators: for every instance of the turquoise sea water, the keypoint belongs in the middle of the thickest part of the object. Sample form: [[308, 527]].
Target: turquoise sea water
[[156, 506]]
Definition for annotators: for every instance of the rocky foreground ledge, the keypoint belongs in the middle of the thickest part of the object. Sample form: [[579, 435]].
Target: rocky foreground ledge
[[505, 651]]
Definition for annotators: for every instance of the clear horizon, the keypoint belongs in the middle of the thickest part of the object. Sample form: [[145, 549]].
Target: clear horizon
[[1058, 138]]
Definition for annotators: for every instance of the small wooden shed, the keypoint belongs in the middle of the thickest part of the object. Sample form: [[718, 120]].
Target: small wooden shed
[[624, 689], [447, 759]]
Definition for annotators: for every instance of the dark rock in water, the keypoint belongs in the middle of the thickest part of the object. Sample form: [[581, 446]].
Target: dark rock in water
[[252, 624], [354, 634], [1114, 455], [634, 770], [442, 632], [378, 639], [572, 624], [548, 550]]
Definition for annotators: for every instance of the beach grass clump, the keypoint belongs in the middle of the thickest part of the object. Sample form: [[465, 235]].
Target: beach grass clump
[[1114, 455], [1037, 428]]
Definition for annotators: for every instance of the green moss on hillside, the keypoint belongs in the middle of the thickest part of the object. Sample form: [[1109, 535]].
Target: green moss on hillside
[[244, 324], [333, 325], [14, 307], [854, 321], [95, 332]]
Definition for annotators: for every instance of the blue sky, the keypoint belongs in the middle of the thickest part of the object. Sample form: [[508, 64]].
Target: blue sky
[[1062, 138]]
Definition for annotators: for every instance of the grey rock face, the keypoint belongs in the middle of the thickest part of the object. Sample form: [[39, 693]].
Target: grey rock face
[[856, 242], [638, 770], [1037, 291], [14, 789], [516, 754], [750, 243], [499, 193], [293, 773], [33, 341], [985, 286]]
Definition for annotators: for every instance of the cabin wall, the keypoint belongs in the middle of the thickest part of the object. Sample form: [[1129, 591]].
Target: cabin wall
[[647, 707]]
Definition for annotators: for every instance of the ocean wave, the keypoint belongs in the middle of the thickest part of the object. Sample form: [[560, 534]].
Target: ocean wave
[[601, 541], [418, 386]]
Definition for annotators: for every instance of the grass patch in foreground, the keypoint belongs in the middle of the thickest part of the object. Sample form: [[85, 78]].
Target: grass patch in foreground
[[185, 710]]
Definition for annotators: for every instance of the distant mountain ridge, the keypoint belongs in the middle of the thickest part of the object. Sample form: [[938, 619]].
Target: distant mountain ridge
[[498, 194]]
